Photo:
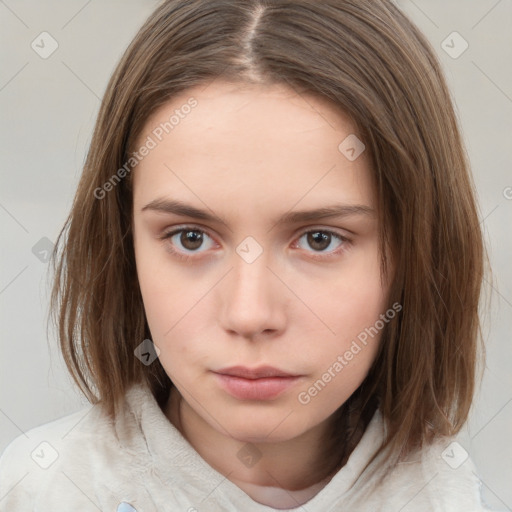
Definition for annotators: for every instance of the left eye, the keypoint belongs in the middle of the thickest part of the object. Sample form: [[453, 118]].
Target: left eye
[[191, 239], [321, 239]]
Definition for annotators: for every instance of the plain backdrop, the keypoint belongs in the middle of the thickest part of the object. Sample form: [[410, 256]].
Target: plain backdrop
[[48, 110]]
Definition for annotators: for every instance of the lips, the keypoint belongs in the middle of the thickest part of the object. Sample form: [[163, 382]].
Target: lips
[[255, 373], [262, 383]]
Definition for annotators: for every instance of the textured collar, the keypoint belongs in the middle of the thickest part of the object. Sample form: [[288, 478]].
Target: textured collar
[[143, 428]]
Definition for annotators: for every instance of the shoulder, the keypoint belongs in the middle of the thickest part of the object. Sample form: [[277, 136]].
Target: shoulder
[[56, 429], [455, 483], [85, 460], [32, 460], [438, 477], [442, 476]]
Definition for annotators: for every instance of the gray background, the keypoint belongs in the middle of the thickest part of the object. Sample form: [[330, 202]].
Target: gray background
[[48, 110]]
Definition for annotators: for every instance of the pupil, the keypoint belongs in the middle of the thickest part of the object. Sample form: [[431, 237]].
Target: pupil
[[191, 239], [318, 237]]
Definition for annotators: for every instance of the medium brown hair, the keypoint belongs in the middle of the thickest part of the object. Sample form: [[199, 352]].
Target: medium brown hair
[[369, 59]]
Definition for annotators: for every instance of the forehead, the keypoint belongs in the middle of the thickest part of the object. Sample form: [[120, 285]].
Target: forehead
[[268, 100], [256, 145]]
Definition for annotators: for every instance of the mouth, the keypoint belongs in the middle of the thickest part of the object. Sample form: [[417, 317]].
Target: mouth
[[262, 383], [254, 373]]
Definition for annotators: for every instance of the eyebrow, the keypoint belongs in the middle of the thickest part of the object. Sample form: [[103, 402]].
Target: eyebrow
[[186, 210]]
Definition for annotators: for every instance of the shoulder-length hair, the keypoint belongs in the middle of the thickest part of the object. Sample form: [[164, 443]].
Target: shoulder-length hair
[[369, 59]]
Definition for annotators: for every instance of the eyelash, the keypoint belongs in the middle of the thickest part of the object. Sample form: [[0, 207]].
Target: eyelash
[[168, 235]]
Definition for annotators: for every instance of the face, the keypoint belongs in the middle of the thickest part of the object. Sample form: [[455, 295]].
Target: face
[[267, 318]]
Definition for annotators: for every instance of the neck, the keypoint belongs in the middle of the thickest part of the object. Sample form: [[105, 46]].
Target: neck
[[293, 464]]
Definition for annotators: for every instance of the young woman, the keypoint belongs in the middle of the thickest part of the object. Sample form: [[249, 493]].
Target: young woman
[[269, 280]]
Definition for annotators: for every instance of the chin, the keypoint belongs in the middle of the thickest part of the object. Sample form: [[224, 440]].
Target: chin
[[258, 426], [263, 435]]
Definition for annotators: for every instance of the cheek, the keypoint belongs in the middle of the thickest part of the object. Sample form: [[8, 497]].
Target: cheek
[[342, 365], [160, 290], [354, 297], [171, 303], [351, 309]]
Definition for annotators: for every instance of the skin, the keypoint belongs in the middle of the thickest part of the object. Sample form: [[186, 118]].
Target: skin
[[250, 154]]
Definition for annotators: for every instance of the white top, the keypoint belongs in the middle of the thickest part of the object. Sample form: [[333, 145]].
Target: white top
[[141, 462]]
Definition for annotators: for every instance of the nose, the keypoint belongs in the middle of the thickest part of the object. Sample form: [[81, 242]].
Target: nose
[[253, 300]]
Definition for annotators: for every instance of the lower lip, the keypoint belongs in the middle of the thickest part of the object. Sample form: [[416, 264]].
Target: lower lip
[[265, 388]]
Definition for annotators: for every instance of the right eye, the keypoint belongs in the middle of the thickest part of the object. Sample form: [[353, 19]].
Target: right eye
[[185, 238]]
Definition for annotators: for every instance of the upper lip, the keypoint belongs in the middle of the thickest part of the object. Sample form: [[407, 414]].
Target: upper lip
[[254, 373]]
